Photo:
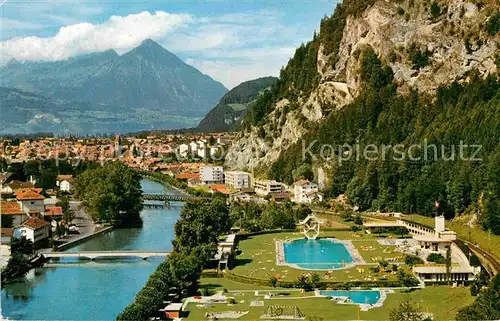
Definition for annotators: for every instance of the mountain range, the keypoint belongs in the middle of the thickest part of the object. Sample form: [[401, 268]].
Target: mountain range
[[145, 88]]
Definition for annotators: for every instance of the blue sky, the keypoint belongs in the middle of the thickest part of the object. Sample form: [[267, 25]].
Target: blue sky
[[232, 41]]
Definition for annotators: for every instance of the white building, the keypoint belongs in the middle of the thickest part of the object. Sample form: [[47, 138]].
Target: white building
[[34, 229], [211, 174], [306, 192], [183, 150], [237, 179], [11, 214], [29, 200], [65, 182], [264, 187]]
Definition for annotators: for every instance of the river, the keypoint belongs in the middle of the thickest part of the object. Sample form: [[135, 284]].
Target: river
[[99, 290]]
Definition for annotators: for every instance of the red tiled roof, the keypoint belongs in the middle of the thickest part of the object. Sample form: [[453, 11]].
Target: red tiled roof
[[68, 178], [10, 208], [188, 176], [29, 195], [54, 211], [35, 223]]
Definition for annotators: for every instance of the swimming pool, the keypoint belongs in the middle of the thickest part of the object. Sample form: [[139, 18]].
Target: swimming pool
[[370, 297], [319, 254]]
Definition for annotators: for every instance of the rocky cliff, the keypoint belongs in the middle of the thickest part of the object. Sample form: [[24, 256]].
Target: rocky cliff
[[426, 44]]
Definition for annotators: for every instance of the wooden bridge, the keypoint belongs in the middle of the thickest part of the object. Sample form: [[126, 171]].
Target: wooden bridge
[[92, 255]]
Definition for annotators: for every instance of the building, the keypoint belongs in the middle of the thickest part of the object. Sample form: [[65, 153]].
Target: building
[[441, 241], [306, 192], [264, 187], [211, 174], [65, 183], [53, 213], [173, 310], [29, 199], [237, 179], [34, 229], [11, 214]]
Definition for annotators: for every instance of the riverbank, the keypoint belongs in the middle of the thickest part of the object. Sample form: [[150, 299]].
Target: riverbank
[[91, 284]]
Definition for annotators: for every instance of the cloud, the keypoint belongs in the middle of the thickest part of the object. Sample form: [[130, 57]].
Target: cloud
[[231, 48], [242, 66], [119, 33]]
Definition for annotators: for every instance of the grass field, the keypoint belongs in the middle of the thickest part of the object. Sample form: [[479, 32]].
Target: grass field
[[258, 258], [443, 302]]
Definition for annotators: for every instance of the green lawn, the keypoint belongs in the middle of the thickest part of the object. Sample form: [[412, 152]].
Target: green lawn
[[258, 258], [442, 301]]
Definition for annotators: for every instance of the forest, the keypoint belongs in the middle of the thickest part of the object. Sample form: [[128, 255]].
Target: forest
[[466, 113]]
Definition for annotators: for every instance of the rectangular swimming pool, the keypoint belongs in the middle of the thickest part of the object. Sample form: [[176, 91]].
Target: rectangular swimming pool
[[357, 297]]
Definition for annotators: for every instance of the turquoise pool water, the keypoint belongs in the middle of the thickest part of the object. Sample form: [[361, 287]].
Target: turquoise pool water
[[357, 297], [322, 254]]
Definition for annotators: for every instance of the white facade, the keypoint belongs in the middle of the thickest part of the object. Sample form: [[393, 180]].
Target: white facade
[[32, 205], [264, 187], [34, 234], [211, 174], [306, 192], [237, 179], [183, 149], [65, 186]]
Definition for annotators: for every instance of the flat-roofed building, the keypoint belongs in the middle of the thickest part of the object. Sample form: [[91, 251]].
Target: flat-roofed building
[[211, 174], [237, 179], [264, 187]]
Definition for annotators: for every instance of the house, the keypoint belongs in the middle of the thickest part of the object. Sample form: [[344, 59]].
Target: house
[[264, 187], [214, 188], [6, 235], [306, 192], [279, 197], [211, 174], [237, 179], [29, 199], [173, 310], [53, 213], [65, 182], [34, 229], [11, 214], [15, 185]]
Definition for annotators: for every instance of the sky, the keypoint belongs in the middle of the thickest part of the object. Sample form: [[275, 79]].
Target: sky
[[231, 41]]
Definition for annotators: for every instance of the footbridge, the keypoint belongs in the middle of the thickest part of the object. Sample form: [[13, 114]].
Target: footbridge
[[169, 197], [92, 255]]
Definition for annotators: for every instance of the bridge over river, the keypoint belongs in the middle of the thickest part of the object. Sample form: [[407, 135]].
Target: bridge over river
[[170, 197], [92, 255]]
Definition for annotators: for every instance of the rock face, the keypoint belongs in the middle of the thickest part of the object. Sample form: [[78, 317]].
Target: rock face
[[425, 47]]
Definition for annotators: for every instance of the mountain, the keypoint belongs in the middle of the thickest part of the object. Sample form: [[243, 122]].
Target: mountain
[[148, 82], [228, 113], [415, 80]]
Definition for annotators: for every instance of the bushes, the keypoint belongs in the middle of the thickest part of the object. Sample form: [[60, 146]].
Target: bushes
[[412, 260], [418, 58], [493, 24], [436, 258]]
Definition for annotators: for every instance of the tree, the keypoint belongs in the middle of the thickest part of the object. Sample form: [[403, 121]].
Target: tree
[[201, 222], [406, 311], [412, 260], [401, 231], [21, 246], [358, 220], [68, 213], [486, 306], [273, 281], [111, 193]]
